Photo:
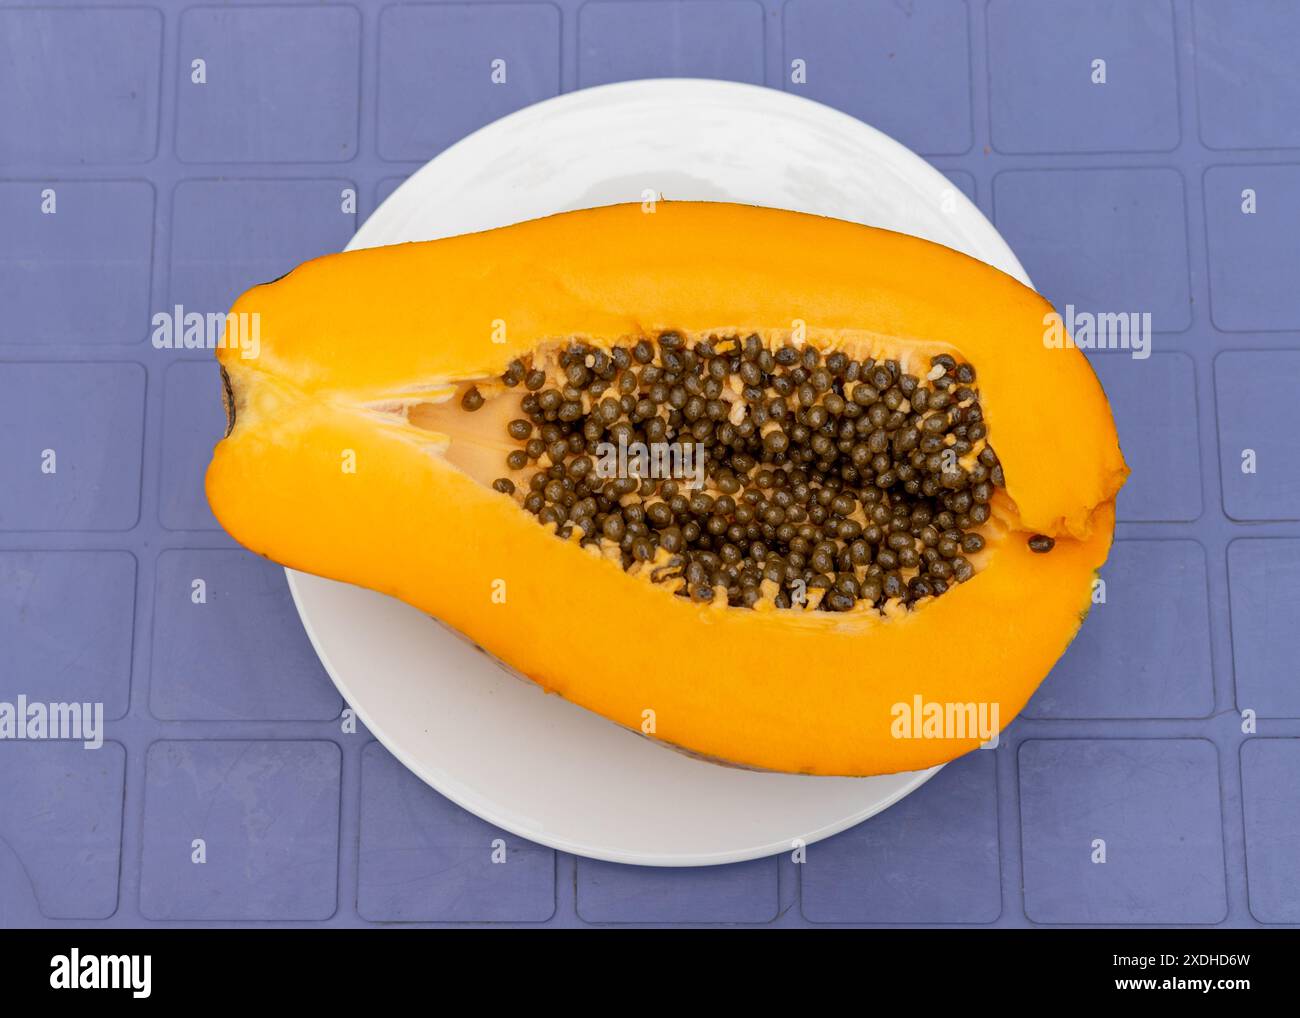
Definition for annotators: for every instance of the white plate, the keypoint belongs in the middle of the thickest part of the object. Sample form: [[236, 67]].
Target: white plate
[[534, 764]]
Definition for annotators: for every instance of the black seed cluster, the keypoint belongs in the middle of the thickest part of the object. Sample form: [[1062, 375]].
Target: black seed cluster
[[837, 480]]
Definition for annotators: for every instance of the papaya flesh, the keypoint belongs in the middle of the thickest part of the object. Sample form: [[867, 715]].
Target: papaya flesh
[[852, 578]]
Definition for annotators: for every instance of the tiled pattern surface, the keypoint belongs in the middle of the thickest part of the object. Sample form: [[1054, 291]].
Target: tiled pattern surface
[[188, 151]]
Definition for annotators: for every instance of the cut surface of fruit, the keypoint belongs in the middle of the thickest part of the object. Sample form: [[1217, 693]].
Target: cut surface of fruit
[[788, 492], [730, 470]]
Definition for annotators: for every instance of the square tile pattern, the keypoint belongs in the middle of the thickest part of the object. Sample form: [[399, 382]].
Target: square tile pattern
[[1254, 393], [94, 238], [1083, 76], [268, 84], [621, 41], [746, 892], [1141, 157], [904, 68], [1270, 784], [71, 445], [1250, 212], [200, 673], [1101, 240], [1246, 91], [240, 830], [1145, 652], [67, 620], [934, 858], [1121, 831], [492, 59], [424, 859], [79, 86], [1265, 624]]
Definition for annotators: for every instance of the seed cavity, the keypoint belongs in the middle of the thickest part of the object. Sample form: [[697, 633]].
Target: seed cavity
[[828, 483]]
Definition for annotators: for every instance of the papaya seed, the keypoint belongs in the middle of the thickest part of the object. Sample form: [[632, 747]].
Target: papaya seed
[[834, 481]]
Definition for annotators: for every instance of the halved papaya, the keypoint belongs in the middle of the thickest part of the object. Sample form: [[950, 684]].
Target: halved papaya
[[783, 491]]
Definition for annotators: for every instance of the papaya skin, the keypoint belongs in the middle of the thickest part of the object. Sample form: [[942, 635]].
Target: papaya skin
[[347, 338]]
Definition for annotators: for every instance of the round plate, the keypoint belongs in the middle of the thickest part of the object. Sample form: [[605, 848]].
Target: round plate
[[535, 764]]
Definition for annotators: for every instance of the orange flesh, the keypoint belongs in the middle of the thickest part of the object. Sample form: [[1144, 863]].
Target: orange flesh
[[362, 357]]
